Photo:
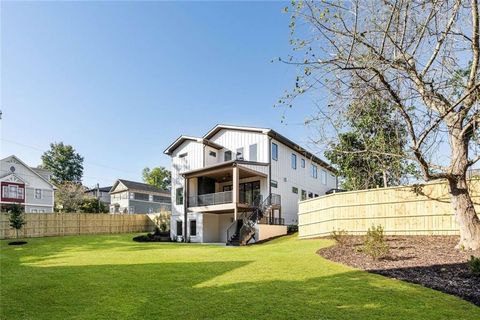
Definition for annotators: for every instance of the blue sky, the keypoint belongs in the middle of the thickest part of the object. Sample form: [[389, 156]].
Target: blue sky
[[120, 80]]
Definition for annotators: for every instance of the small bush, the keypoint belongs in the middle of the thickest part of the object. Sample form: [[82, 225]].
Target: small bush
[[474, 265], [375, 244], [292, 229], [340, 236]]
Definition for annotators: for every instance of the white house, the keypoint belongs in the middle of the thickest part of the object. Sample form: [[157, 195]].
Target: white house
[[239, 184], [30, 187]]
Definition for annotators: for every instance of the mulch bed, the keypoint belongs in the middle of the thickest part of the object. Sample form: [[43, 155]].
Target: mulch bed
[[17, 243], [430, 261]]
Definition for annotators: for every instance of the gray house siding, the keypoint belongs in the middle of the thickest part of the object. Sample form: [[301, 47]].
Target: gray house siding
[[45, 200], [147, 207]]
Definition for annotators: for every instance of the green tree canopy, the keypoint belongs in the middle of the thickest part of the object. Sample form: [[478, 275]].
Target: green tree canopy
[[64, 162], [371, 153], [158, 177]]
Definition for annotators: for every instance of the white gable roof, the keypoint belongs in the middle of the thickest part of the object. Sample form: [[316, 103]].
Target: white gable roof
[[15, 160]]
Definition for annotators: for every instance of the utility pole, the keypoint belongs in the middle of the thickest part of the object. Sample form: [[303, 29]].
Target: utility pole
[[98, 198]]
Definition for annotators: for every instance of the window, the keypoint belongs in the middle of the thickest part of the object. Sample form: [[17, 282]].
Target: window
[[304, 195], [239, 154], [38, 193], [310, 195], [274, 183], [303, 163], [193, 227], [183, 155], [274, 151], [212, 154], [141, 196], [41, 211], [33, 210], [314, 172], [227, 155], [12, 192], [316, 195], [294, 161], [179, 196], [126, 195], [323, 176], [179, 227], [161, 199], [295, 190], [252, 152]]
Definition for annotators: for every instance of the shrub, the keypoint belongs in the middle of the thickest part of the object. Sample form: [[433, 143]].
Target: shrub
[[339, 236], [292, 228], [375, 244], [474, 265]]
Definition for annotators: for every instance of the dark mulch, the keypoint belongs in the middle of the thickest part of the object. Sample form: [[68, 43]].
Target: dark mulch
[[17, 243], [430, 261]]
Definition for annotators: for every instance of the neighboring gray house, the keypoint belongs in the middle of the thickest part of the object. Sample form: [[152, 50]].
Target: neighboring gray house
[[136, 197], [103, 193], [27, 186]]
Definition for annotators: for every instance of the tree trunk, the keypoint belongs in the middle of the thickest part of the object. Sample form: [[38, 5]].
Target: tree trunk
[[465, 214]]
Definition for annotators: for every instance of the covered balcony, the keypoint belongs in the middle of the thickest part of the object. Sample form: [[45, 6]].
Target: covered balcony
[[229, 187]]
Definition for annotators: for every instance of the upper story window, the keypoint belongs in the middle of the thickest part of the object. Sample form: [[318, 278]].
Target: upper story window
[[38, 193], [295, 190], [183, 155], [302, 163], [323, 176], [252, 152], [179, 196], [274, 183], [294, 161], [314, 172], [161, 199], [240, 154], [13, 192], [304, 195], [274, 151], [212, 154], [310, 195], [227, 156]]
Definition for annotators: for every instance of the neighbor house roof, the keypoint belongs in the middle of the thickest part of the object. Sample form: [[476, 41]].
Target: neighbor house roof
[[138, 186], [102, 189], [31, 169]]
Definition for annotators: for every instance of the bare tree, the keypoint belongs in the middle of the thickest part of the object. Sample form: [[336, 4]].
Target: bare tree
[[420, 55]]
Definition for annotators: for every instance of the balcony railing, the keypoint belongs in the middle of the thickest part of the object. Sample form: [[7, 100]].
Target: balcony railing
[[210, 199]]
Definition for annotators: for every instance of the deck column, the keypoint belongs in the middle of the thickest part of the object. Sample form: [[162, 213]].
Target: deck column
[[185, 208], [236, 191]]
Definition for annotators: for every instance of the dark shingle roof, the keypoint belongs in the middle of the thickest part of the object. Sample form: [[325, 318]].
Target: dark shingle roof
[[102, 189], [141, 186]]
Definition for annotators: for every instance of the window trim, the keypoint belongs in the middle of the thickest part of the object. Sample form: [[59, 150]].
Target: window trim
[[293, 161], [41, 193], [274, 183], [294, 190], [179, 196], [194, 221], [302, 163], [274, 151], [212, 153], [229, 152]]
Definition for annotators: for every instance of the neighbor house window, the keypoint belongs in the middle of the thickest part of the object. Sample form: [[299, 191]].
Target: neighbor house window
[[314, 172], [227, 155], [179, 196], [33, 210], [240, 154], [141, 196], [304, 195], [310, 195], [274, 151], [38, 193], [252, 152], [295, 190], [12, 192], [294, 161], [316, 195], [302, 163], [213, 154], [274, 183], [179, 227], [323, 176], [193, 227]]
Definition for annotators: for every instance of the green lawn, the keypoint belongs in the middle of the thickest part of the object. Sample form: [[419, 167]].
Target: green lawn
[[112, 277]]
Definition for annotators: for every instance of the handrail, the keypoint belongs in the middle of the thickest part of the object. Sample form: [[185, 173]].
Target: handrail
[[230, 231]]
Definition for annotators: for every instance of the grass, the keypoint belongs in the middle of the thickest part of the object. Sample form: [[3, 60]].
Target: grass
[[112, 277]]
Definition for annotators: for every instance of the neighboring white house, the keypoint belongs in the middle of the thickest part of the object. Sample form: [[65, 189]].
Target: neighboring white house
[[30, 187], [136, 197], [240, 181]]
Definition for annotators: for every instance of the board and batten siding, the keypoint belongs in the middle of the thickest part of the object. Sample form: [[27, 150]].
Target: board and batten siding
[[409, 210], [287, 177], [234, 139]]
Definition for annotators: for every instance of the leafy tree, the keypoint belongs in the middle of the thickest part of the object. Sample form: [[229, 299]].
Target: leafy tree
[[92, 205], [16, 218], [69, 197], [65, 164], [370, 153], [423, 57], [158, 177]]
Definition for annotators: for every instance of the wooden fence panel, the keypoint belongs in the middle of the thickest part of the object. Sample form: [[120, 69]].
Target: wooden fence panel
[[408, 210], [64, 224]]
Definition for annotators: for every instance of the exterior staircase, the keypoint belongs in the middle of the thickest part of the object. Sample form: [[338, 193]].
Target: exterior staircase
[[242, 231]]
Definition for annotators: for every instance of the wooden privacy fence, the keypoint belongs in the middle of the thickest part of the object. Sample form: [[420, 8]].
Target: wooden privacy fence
[[63, 224], [410, 210]]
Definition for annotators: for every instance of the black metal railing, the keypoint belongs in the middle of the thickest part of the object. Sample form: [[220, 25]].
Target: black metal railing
[[210, 199]]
